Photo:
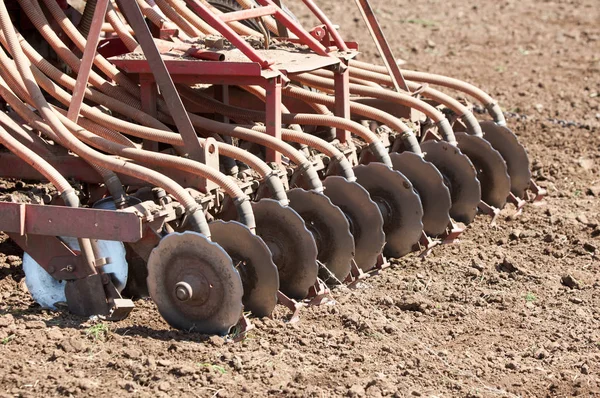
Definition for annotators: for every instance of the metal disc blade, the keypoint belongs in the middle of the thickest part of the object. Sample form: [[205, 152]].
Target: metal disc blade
[[47, 291], [252, 258], [292, 245], [329, 227], [517, 162], [491, 168], [194, 284], [364, 218], [429, 184], [460, 176], [399, 204]]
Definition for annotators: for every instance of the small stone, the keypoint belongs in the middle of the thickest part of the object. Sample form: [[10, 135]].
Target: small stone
[[77, 345], [6, 320], [507, 266], [54, 334], [582, 219], [165, 386], [35, 325], [539, 107], [132, 353], [515, 234], [415, 393], [86, 384], [164, 363], [356, 391], [594, 190], [512, 365], [237, 363], [589, 247], [540, 354], [570, 281], [217, 341], [575, 300], [585, 369], [430, 44]]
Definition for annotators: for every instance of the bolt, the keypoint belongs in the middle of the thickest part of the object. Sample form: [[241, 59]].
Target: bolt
[[183, 291], [51, 269], [69, 268]]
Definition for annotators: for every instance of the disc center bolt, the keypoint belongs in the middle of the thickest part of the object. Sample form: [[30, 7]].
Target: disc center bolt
[[183, 291]]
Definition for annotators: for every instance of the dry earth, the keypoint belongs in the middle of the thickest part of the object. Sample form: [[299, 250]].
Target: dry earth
[[513, 310]]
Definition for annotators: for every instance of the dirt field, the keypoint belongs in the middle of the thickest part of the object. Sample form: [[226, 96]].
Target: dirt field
[[513, 310]]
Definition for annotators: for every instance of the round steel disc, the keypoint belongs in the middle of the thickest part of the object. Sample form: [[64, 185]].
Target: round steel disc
[[194, 284], [399, 204], [292, 245], [330, 228], [429, 184], [252, 258], [517, 162], [490, 166], [364, 219], [460, 176]]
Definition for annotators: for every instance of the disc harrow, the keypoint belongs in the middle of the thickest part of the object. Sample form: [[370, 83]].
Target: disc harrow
[[219, 157]]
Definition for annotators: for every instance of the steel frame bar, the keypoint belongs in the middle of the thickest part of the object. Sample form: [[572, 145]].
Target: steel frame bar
[[89, 53], [26, 219], [273, 117], [382, 45], [337, 38], [248, 14], [341, 81], [163, 78]]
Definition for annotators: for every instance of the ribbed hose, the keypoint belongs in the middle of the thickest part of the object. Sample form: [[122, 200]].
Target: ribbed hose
[[44, 168], [462, 111], [120, 28], [192, 18], [212, 105], [65, 54], [325, 79], [178, 19], [28, 138], [91, 94], [86, 18], [80, 41], [195, 212], [318, 144], [112, 182], [245, 213], [484, 98], [407, 135]]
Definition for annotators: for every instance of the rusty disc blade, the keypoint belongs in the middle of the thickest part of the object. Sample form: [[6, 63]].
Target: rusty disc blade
[[364, 219], [429, 184], [460, 177], [491, 168], [517, 162], [194, 284], [252, 259], [329, 227], [398, 203], [292, 245]]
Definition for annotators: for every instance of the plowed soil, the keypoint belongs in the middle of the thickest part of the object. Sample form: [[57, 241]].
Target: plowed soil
[[513, 310]]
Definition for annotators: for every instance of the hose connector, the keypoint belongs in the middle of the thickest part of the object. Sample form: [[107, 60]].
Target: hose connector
[[245, 213], [496, 113], [70, 197], [347, 171], [446, 131], [314, 182], [277, 189], [411, 142], [472, 124], [197, 220], [380, 153]]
